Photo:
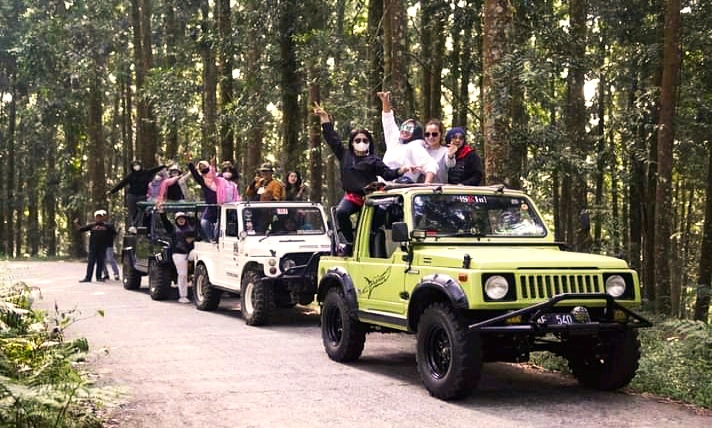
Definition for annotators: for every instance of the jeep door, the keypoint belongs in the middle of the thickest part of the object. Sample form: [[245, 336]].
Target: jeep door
[[380, 271], [228, 246]]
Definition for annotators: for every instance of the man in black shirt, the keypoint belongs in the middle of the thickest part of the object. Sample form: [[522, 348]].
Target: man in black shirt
[[101, 236], [137, 180]]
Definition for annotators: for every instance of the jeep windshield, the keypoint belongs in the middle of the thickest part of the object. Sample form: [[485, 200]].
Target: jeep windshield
[[283, 221], [467, 215]]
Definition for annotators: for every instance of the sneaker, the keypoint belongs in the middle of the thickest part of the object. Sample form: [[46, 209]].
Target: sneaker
[[116, 277], [105, 277], [85, 280], [101, 280], [183, 300]]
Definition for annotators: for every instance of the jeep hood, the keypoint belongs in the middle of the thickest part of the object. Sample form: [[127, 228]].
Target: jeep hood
[[508, 258]]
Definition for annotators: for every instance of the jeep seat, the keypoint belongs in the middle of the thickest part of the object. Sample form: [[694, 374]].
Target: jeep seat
[[377, 246]]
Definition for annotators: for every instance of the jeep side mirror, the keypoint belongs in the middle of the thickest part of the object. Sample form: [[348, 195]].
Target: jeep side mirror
[[400, 232]]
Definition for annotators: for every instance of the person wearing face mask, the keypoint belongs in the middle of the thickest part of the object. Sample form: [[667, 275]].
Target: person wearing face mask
[[137, 181], [227, 188], [404, 144], [359, 168], [468, 165]]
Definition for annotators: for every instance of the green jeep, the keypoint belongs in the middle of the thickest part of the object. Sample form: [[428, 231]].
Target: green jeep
[[475, 273]]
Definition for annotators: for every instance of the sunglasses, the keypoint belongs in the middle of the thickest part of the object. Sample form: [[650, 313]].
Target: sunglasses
[[360, 140], [408, 127], [432, 134]]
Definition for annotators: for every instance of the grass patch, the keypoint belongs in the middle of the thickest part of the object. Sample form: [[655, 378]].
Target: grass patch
[[42, 383]]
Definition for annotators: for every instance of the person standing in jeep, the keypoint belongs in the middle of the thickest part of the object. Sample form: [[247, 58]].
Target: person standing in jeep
[[137, 181], [359, 168]]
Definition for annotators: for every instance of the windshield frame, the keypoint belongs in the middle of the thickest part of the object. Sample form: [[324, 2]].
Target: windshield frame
[[457, 215]]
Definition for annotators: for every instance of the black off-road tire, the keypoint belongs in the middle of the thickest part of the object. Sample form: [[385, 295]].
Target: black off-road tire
[[131, 277], [343, 335], [159, 282], [449, 356], [205, 296], [256, 299], [605, 363]]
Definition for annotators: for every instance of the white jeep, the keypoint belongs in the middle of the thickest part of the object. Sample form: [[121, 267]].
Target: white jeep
[[267, 252]]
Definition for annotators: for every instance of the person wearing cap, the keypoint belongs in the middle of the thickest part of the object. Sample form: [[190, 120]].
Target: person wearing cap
[[183, 235], [265, 187], [137, 181], [405, 145], [101, 236], [468, 165]]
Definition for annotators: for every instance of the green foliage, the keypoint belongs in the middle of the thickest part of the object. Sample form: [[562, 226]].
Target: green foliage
[[676, 361], [41, 384]]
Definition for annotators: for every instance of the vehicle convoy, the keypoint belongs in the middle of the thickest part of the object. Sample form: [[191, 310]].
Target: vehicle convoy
[[477, 276], [147, 250], [267, 252]]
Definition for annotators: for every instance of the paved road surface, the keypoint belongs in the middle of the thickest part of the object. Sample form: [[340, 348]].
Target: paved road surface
[[184, 368]]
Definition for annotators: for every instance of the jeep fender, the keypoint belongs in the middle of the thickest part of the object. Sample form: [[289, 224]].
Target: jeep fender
[[128, 255], [437, 287], [209, 266], [338, 277]]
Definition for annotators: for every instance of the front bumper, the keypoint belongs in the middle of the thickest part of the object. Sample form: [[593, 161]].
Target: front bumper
[[531, 316]]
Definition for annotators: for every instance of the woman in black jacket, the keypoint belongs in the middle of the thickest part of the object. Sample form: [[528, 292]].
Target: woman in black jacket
[[183, 236], [359, 168], [468, 166]]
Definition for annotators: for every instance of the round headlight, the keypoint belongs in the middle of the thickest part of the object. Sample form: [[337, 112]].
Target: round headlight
[[615, 285], [288, 264], [272, 262], [496, 287]]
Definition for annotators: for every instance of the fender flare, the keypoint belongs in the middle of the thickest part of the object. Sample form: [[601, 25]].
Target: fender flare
[[436, 283], [209, 265], [339, 276]]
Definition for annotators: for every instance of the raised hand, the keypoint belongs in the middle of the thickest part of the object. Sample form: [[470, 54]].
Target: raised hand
[[319, 111]]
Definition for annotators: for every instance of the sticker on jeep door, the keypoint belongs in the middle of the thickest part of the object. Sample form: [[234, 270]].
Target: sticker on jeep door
[[376, 281]]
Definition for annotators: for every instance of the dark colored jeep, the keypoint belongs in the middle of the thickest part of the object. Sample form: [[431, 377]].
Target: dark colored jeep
[[147, 249]]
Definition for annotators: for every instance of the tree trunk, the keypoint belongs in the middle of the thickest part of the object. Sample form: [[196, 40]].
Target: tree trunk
[[8, 224], [374, 53], [290, 84], [172, 31], [97, 147], [704, 275], [395, 48], [210, 83], [666, 135], [497, 29], [579, 227], [253, 86], [227, 135], [433, 17]]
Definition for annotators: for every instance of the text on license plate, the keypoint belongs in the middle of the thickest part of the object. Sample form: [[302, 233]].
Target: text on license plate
[[556, 319]]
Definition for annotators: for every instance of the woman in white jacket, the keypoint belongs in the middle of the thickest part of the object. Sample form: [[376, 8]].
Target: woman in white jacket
[[404, 144]]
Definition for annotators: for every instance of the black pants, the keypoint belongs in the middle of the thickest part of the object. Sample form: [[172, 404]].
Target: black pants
[[96, 258]]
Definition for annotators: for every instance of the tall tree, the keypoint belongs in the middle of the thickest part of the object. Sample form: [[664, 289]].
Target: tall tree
[[666, 135], [227, 135], [395, 64], [290, 84], [497, 36]]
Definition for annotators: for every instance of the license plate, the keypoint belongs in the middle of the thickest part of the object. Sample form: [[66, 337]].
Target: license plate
[[556, 319]]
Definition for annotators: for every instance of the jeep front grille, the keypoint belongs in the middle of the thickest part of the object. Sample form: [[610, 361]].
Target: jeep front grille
[[546, 286]]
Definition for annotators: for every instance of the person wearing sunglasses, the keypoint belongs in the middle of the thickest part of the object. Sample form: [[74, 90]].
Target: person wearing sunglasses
[[434, 134], [359, 168], [399, 150], [468, 165]]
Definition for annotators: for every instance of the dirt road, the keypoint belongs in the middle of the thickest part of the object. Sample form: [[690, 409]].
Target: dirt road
[[181, 367]]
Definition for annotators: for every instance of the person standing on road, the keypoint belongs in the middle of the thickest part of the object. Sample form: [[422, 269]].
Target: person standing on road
[[183, 237], [101, 236], [110, 259], [137, 181]]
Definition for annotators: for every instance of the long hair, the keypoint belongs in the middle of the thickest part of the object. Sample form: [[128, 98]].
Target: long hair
[[363, 131]]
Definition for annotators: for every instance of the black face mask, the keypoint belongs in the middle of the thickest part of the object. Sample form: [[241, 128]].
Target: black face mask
[[204, 171]]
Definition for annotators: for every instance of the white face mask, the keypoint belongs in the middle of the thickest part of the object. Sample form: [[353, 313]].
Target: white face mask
[[227, 175], [137, 167], [361, 147], [157, 178]]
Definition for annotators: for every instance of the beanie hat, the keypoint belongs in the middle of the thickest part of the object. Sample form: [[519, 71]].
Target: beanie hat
[[454, 131]]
